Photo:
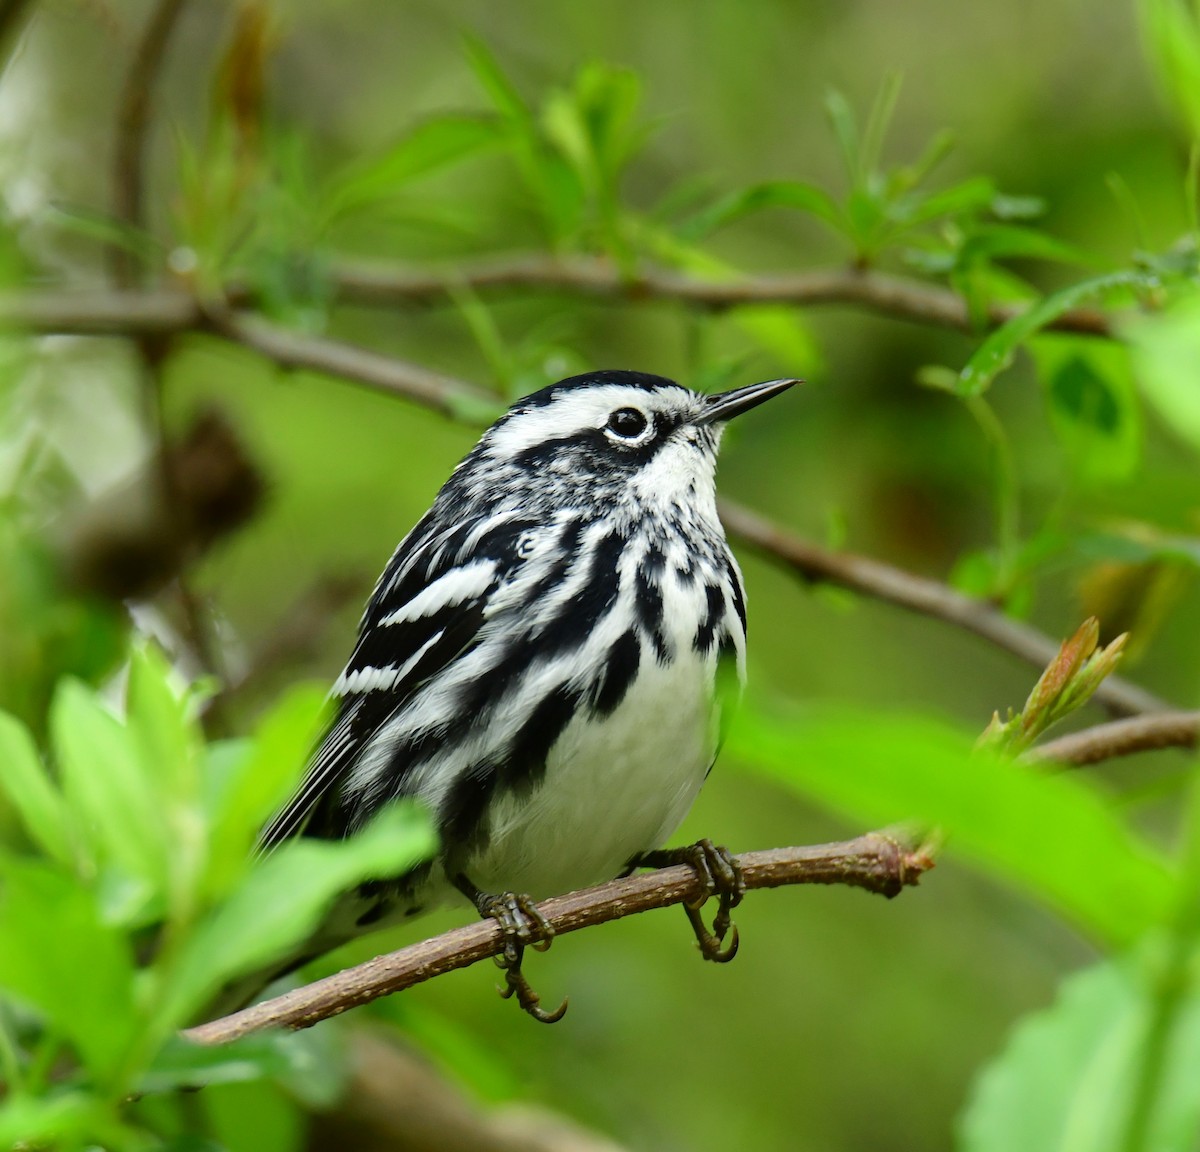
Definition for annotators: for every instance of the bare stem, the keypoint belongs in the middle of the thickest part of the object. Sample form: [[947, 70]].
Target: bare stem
[[920, 594], [903, 298], [133, 122], [877, 862], [1122, 738]]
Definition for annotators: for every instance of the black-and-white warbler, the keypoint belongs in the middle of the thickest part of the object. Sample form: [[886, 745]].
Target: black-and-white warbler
[[538, 663]]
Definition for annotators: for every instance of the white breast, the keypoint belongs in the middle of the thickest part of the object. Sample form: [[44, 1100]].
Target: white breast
[[613, 787]]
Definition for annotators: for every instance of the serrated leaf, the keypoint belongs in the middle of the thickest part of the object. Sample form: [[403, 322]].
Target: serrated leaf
[[36, 800], [281, 903], [997, 351], [109, 796], [1056, 837], [1065, 1079]]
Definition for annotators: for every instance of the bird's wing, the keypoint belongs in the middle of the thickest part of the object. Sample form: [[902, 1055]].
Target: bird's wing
[[426, 610]]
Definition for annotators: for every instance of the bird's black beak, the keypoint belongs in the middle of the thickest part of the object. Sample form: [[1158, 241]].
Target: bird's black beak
[[726, 405]]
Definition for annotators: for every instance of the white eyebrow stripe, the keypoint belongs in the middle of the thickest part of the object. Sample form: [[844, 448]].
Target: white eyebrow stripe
[[452, 588], [568, 414]]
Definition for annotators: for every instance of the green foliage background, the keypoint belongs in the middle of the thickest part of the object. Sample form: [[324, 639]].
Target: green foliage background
[[1038, 989]]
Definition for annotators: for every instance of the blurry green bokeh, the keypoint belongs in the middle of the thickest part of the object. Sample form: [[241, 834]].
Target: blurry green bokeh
[[846, 1022]]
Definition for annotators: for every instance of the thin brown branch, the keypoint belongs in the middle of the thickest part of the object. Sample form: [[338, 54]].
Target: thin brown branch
[[90, 313], [99, 312], [920, 594], [133, 121], [290, 349], [115, 313], [396, 1100], [904, 298], [877, 862], [1122, 738]]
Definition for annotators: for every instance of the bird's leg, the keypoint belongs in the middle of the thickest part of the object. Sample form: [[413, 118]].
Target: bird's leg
[[721, 876], [523, 927]]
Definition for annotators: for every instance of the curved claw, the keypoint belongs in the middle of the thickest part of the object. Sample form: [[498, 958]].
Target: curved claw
[[721, 876], [523, 926], [516, 984], [724, 955], [710, 942]]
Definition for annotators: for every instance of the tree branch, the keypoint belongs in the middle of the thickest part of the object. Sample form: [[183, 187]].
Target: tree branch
[[124, 313], [1122, 738], [920, 594], [168, 310], [99, 312], [904, 298], [290, 349], [877, 862], [133, 121]]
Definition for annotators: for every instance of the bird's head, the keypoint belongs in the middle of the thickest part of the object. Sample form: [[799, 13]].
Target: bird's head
[[612, 436]]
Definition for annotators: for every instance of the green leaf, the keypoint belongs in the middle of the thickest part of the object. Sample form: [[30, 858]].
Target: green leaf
[[65, 1119], [782, 332], [109, 795], [60, 958], [1166, 352], [37, 801], [772, 194], [1013, 241], [997, 351], [972, 195], [109, 231], [255, 783], [165, 733], [1005, 207], [845, 131], [1093, 406], [878, 119], [1065, 1079], [1171, 34], [283, 900], [503, 94], [564, 126], [432, 146], [1057, 837], [310, 1065]]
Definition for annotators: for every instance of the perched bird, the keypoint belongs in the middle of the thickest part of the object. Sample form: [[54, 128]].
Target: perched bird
[[538, 664]]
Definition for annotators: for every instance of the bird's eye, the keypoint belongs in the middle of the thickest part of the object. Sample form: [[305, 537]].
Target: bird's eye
[[627, 423]]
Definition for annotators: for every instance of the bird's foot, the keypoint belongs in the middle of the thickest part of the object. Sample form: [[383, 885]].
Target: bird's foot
[[721, 876], [523, 927]]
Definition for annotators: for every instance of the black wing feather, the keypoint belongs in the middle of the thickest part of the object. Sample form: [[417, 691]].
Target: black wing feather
[[315, 808]]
